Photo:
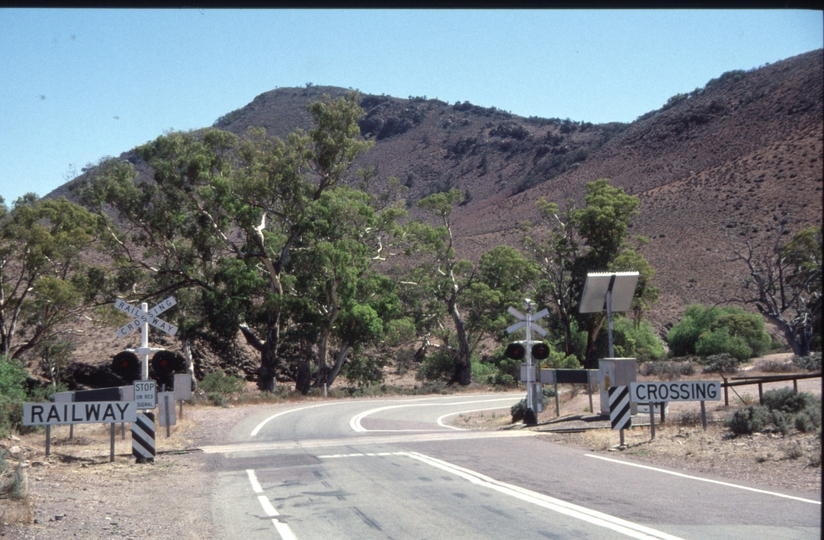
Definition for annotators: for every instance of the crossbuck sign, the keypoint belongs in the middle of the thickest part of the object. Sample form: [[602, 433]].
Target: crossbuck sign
[[145, 317]]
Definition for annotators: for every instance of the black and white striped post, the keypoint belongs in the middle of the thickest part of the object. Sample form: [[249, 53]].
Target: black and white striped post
[[143, 438], [620, 413]]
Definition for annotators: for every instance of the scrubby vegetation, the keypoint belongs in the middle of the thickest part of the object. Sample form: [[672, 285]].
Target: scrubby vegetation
[[783, 409], [710, 331], [17, 388], [518, 411]]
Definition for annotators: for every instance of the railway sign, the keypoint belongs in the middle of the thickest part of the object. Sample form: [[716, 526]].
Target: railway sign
[[523, 321], [145, 317], [658, 392], [49, 414]]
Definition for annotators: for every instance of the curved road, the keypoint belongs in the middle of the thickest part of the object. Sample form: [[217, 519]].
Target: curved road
[[395, 468]]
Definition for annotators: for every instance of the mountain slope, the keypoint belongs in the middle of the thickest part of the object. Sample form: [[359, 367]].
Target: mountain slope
[[742, 150]]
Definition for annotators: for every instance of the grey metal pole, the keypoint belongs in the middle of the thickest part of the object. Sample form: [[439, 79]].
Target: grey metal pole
[[589, 389], [557, 404], [652, 420], [166, 411], [111, 442], [48, 440], [703, 416], [609, 319]]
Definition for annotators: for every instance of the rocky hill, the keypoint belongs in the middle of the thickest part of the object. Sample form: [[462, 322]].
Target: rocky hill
[[745, 149]]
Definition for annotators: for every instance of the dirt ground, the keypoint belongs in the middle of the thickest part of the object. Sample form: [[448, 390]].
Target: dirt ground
[[78, 493]]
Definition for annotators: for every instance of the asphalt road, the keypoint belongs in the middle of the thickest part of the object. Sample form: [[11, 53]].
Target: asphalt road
[[394, 468]]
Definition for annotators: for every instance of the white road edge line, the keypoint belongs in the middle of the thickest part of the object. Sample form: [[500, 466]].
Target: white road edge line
[[705, 479], [283, 529], [355, 421], [260, 426], [440, 419], [628, 528]]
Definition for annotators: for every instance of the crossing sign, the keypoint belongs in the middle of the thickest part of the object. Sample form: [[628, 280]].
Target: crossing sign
[[524, 322], [145, 317]]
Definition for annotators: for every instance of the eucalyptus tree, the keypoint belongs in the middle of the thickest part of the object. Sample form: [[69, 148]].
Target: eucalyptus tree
[[221, 221], [346, 301], [783, 279], [583, 240], [448, 294], [44, 282]]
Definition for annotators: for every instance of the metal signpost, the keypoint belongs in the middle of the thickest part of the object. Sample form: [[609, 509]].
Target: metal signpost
[[527, 322]]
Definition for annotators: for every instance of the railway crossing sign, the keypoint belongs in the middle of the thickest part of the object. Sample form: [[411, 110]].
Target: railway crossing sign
[[524, 322], [534, 400], [145, 317]]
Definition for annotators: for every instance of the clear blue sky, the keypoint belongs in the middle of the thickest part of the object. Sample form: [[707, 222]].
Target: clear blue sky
[[80, 84]]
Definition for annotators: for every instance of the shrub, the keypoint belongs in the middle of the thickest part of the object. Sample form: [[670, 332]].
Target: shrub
[[783, 408], [712, 330], [750, 419], [560, 360], [747, 326], [782, 421], [12, 394], [809, 363], [808, 420], [631, 340], [688, 418], [483, 372], [788, 400], [217, 399], [217, 382], [721, 342], [518, 411], [695, 321], [437, 366], [775, 366], [720, 363], [364, 370], [667, 370]]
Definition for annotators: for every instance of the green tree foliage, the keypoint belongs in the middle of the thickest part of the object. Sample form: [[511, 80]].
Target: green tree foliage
[[580, 241], [449, 294], [708, 331], [259, 236], [632, 340], [783, 280], [43, 279], [14, 391]]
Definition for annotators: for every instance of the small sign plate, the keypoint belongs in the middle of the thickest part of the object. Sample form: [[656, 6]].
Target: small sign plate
[[145, 394]]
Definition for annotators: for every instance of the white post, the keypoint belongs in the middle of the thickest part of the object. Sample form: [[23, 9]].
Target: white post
[[530, 378], [144, 344]]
